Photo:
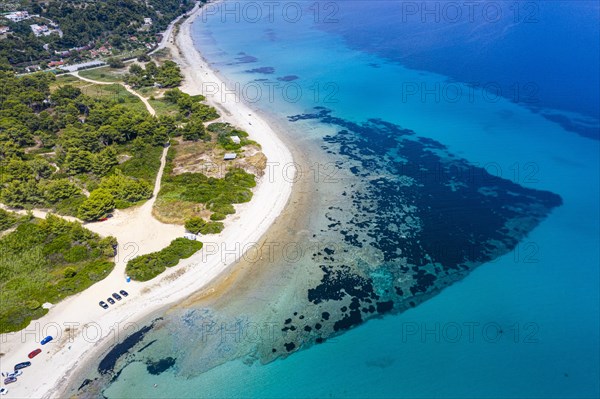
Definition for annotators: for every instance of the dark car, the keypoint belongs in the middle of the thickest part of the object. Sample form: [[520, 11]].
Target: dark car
[[124, 293], [117, 296], [103, 305], [46, 340], [9, 380], [20, 366], [111, 301], [34, 353]]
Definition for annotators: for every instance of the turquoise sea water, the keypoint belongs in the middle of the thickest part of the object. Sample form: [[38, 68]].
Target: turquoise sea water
[[524, 325]]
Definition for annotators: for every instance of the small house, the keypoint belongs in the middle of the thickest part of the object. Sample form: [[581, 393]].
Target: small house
[[53, 64], [39, 30], [4, 29], [147, 21], [229, 156], [235, 139], [17, 16]]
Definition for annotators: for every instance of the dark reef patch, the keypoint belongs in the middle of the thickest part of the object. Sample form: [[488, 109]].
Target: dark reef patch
[[415, 217], [290, 346], [384, 307], [109, 361], [85, 383], [263, 70], [287, 78], [160, 366], [244, 59], [339, 281], [353, 318]]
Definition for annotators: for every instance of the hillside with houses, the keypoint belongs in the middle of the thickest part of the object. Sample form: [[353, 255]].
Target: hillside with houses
[[37, 36]]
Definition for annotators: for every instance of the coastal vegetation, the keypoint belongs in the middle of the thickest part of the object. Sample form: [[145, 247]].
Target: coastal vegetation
[[166, 75], [46, 260], [83, 149], [59, 145], [146, 267], [8, 220], [188, 196], [197, 225]]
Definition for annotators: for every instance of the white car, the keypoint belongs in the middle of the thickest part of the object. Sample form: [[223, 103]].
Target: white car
[[3, 391], [15, 373]]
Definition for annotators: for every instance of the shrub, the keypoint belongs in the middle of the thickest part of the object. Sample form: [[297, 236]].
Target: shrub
[[125, 188], [56, 190], [69, 272], [76, 254], [194, 225], [226, 209], [146, 267], [212, 228], [217, 216], [97, 205], [115, 63], [32, 304], [7, 219], [70, 206]]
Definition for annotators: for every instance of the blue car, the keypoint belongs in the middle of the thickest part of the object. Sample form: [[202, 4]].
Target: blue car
[[20, 366], [46, 340]]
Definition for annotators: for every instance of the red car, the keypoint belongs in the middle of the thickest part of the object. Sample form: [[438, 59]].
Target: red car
[[34, 353]]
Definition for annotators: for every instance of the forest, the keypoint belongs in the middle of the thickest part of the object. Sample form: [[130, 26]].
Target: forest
[[75, 154]]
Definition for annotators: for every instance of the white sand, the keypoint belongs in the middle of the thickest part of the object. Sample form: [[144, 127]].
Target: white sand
[[91, 327]]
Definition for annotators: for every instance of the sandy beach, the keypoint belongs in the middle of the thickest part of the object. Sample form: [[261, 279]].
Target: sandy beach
[[82, 328]]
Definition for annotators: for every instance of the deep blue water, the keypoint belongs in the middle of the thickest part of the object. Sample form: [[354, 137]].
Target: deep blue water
[[524, 325], [542, 54]]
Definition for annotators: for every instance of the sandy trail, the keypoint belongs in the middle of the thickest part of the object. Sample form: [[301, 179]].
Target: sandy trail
[[83, 329]]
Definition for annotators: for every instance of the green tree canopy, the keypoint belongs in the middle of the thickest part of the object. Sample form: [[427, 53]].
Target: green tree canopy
[[99, 204]]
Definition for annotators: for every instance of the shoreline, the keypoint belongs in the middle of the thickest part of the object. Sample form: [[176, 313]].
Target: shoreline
[[81, 328]]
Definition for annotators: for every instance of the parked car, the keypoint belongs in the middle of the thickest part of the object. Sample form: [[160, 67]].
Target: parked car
[[124, 293], [22, 365], [111, 301], [34, 353], [3, 391], [117, 296], [10, 380], [46, 340], [103, 304], [13, 374]]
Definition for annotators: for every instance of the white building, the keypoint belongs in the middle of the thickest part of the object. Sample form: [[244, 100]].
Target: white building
[[40, 30], [229, 156], [17, 16], [236, 139], [4, 29], [147, 21]]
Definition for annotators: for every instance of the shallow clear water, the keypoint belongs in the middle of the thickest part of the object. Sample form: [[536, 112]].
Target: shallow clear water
[[524, 325]]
